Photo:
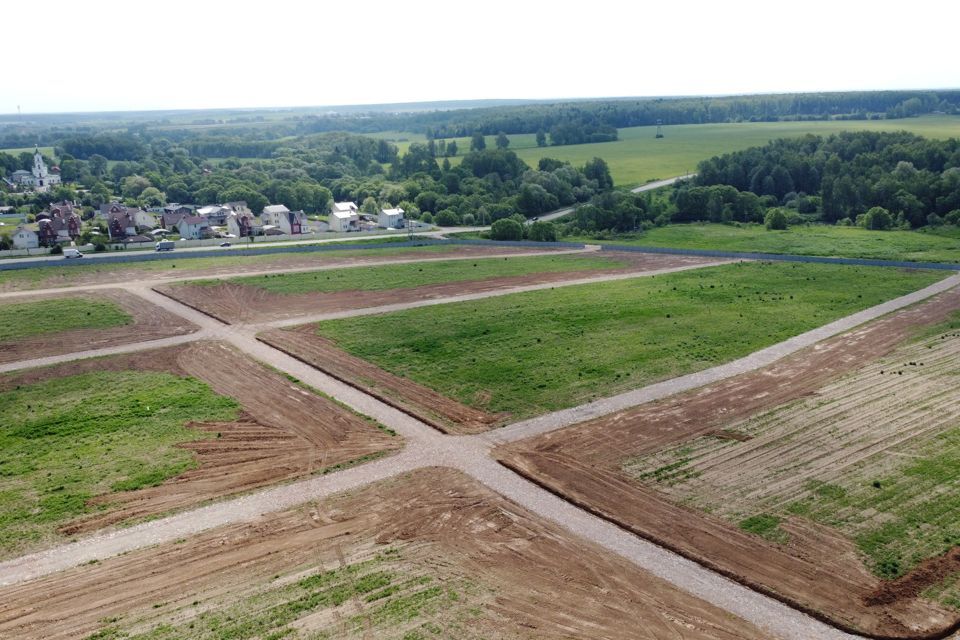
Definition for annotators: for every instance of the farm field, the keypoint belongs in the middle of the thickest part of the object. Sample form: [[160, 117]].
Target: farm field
[[430, 554], [818, 478], [38, 326], [530, 353], [638, 157], [279, 296], [933, 245], [98, 442], [47, 151], [185, 267]]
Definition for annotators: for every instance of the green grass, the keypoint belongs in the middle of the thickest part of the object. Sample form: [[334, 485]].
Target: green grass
[[43, 277], [638, 157], [402, 276], [384, 594], [66, 440], [929, 245], [24, 319], [547, 350], [47, 151]]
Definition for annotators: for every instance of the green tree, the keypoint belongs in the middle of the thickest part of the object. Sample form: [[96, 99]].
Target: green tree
[[541, 138], [598, 170], [775, 219], [448, 218], [152, 197], [452, 148], [506, 229], [502, 140], [133, 186], [370, 206], [876, 218], [542, 232], [478, 142]]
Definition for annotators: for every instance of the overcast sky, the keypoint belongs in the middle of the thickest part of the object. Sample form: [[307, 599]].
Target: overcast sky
[[92, 55]]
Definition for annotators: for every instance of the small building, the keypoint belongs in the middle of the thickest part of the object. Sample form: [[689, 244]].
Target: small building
[[214, 213], [242, 225], [41, 179], [344, 221], [127, 221], [390, 218], [25, 238], [288, 222], [194, 227], [239, 207], [176, 207]]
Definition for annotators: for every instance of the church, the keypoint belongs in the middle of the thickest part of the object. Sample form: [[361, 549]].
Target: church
[[39, 179]]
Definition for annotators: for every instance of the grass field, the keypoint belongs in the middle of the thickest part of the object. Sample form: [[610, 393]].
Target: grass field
[[47, 151], [929, 245], [873, 455], [535, 352], [403, 276], [639, 157], [56, 275], [20, 320], [66, 440]]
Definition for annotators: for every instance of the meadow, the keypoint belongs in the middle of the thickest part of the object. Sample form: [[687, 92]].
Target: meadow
[[66, 440], [638, 156], [23, 319], [530, 353], [403, 276], [927, 245]]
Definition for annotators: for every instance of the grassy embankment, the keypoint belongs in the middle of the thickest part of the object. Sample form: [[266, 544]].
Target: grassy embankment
[[541, 351], [402, 276], [25, 319], [66, 440], [930, 245]]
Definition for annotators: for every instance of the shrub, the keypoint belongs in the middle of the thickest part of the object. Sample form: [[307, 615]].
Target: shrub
[[876, 218], [426, 217], [57, 250], [542, 232], [99, 247], [448, 218], [506, 229], [775, 219]]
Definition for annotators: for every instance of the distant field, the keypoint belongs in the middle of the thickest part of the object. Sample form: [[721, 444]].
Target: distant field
[[638, 157], [25, 319], [47, 151], [535, 352], [934, 245]]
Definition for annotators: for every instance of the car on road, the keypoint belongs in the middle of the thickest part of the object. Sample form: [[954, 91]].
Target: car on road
[[166, 245], [72, 253], [224, 244]]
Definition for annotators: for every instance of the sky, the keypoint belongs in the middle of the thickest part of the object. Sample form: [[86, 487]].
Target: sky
[[104, 55]]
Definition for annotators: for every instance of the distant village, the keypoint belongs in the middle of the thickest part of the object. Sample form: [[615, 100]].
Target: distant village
[[61, 223]]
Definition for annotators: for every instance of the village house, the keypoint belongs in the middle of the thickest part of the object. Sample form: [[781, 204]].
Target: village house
[[59, 223], [390, 218], [344, 217], [194, 228], [25, 238], [241, 225], [215, 214], [124, 221], [176, 207], [286, 221]]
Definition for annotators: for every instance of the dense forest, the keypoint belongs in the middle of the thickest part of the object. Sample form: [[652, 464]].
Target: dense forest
[[259, 134], [488, 185], [900, 179]]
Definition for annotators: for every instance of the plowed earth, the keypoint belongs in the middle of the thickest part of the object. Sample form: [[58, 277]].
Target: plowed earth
[[819, 570], [283, 432], [234, 303], [150, 322], [460, 561]]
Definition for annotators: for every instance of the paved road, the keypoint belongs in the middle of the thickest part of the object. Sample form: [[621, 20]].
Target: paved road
[[647, 187], [469, 454]]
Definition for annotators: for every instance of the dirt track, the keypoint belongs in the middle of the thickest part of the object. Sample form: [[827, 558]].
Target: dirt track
[[284, 432], [236, 303], [820, 571], [517, 576], [149, 323]]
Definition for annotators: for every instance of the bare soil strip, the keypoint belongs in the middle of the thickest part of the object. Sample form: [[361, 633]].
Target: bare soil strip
[[583, 463], [285, 431], [235, 303], [149, 323], [423, 403], [514, 575]]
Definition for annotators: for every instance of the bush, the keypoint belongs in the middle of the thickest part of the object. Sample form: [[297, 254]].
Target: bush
[[506, 229], [57, 250], [469, 220], [775, 219], [99, 247], [448, 218], [876, 218], [426, 217], [542, 232], [953, 217]]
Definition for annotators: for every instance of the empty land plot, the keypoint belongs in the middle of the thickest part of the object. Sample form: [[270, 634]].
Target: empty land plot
[[34, 327], [930, 245], [230, 264], [430, 554], [93, 443], [530, 353], [797, 514], [279, 296]]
